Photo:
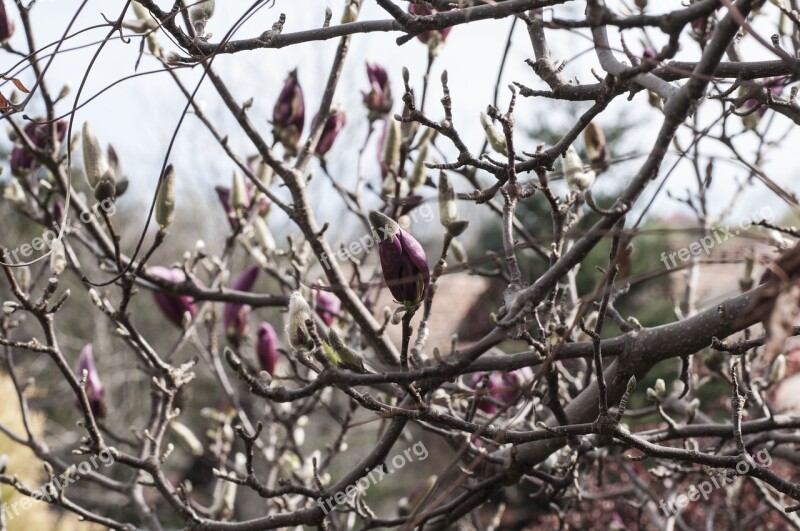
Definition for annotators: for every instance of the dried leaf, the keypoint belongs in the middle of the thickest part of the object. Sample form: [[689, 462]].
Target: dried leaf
[[18, 84]]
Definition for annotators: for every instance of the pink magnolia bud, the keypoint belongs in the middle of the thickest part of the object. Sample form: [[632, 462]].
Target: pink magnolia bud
[[403, 260], [501, 388], [419, 9], [379, 98], [95, 390], [21, 160], [288, 116], [6, 23], [267, 347], [236, 316], [172, 306], [328, 306], [335, 122]]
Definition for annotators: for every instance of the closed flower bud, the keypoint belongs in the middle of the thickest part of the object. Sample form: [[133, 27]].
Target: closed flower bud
[[58, 258], [296, 330], [236, 316], [174, 307], [95, 390], [777, 371], [348, 357], [448, 208], [577, 179], [501, 388], [379, 98], [333, 125], [403, 260], [350, 12], [494, 135], [328, 306], [288, 116], [419, 173], [267, 347], [595, 141], [6, 23], [439, 36], [94, 161], [199, 15], [391, 147], [165, 200], [185, 434], [239, 195], [264, 235]]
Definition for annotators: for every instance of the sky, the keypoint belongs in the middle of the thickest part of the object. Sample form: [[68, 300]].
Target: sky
[[139, 115]]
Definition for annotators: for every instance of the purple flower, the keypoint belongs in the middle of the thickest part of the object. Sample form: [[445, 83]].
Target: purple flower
[[288, 116], [501, 387], [379, 98], [403, 260], [775, 86], [328, 306], [95, 391], [333, 125], [267, 347], [649, 53], [172, 306], [419, 9], [6, 24], [236, 316], [21, 160]]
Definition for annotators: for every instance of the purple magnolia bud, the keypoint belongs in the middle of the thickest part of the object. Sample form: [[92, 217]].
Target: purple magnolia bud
[[236, 316], [267, 347], [6, 24], [403, 260], [95, 391], [333, 125], [224, 195], [501, 388], [172, 306], [58, 211], [419, 9], [649, 53], [288, 116], [21, 160], [328, 306], [379, 98]]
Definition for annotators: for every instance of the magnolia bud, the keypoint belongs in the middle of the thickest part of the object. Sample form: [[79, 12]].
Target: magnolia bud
[[495, 136], [58, 258], [186, 436], [778, 370], [349, 357], [238, 192], [391, 150], [448, 208], [299, 313], [350, 12], [595, 141], [577, 179], [264, 235], [199, 14], [94, 161], [165, 200], [418, 174]]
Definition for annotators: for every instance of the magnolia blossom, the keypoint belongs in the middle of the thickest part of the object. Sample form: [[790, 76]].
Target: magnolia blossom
[[172, 306], [335, 122], [288, 116], [236, 316], [379, 98], [267, 347], [403, 260], [95, 390], [328, 306], [21, 160], [502, 388]]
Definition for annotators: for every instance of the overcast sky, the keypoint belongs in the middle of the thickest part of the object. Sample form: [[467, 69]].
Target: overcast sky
[[139, 115]]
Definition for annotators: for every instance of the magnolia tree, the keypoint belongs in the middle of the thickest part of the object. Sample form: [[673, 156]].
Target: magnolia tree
[[281, 384]]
